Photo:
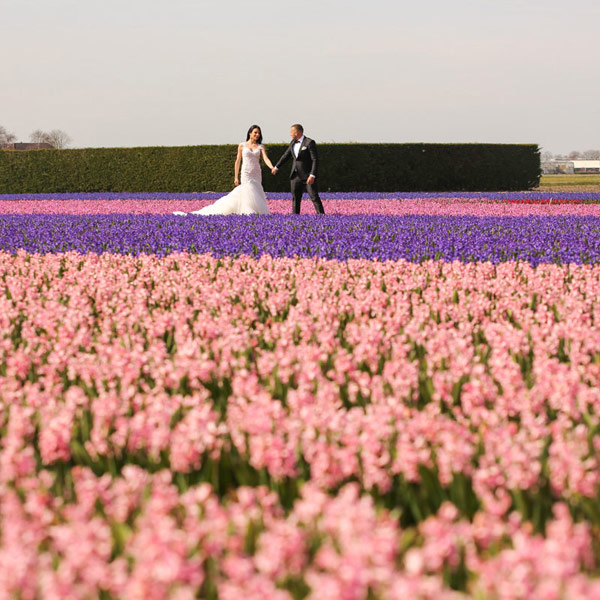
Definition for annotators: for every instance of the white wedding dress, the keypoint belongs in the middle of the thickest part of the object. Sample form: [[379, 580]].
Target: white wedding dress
[[248, 198]]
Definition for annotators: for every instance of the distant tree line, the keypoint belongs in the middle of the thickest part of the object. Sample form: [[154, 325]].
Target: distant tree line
[[57, 138], [574, 155]]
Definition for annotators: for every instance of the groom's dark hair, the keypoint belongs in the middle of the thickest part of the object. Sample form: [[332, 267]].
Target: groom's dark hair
[[252, 128], [298, 127]]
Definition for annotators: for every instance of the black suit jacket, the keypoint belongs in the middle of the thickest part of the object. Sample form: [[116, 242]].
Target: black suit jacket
[[307, 162]]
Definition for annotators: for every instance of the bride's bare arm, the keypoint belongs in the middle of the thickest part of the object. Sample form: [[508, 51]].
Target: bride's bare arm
[[236, 168], [266, 158]]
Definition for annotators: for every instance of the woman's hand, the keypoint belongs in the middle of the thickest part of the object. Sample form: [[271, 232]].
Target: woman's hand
[[236, 182]]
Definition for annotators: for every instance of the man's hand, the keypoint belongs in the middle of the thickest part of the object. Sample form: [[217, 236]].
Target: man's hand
[[274, 170], [310, 180]]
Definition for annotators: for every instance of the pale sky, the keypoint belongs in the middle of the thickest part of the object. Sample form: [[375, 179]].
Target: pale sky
[[185, 72]]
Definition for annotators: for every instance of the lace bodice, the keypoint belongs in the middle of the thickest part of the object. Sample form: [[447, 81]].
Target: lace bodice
[[251, 164]]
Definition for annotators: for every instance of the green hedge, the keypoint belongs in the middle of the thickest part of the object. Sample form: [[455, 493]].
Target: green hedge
[[342, 168]]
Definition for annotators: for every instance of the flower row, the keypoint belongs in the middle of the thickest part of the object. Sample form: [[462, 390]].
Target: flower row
[[568, 239], [137, 536], [354, 206], [479, 384], [142, 396], [485, 196]]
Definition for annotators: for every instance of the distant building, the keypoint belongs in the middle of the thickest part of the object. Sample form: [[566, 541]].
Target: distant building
[[570, 166], [26, 146], [551, 167], [586, 166]]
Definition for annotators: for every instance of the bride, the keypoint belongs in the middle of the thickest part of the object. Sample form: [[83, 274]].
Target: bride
[[249, 197]]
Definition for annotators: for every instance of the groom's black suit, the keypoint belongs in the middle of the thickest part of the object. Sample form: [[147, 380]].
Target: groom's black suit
[[305, 164]]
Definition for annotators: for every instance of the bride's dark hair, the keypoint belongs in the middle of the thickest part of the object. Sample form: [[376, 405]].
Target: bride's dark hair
[[252, 128]]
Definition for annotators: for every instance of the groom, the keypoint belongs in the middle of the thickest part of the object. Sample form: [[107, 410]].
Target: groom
[[303, 152]]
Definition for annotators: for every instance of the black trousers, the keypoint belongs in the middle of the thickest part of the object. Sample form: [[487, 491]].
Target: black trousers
[[298, 186]]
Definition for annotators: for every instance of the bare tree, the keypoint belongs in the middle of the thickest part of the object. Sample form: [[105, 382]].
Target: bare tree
[[592, 155], [39, 137], [6, 137], [574, 155], [546, 156], [57, 138]]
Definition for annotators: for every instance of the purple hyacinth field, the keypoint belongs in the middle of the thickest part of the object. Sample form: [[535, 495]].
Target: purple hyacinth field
[[398, 399]]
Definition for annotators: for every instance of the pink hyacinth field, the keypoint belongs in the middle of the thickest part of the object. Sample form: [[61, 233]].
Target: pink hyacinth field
[[448, 206], [189, 426]]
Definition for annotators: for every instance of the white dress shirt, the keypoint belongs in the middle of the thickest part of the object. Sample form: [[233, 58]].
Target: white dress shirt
[[297, 146]]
